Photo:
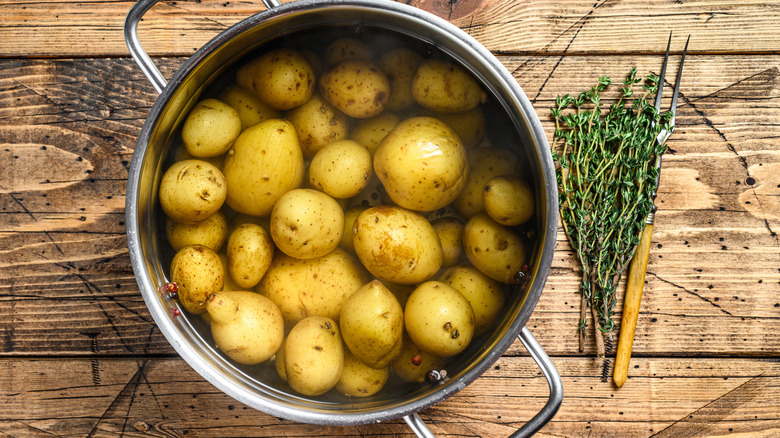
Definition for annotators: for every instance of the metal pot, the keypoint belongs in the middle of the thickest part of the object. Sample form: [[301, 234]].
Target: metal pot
[[249, 385]]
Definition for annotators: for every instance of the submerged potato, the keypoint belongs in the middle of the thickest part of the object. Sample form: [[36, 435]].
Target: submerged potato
[[250, 109], [358, 88], [341, 169], [281, 78], [484, 164], [211, 232], [317, 123], [470, 125], [370, 132], [210, 128], [450, 232], [444, 87], [413, 363], [344, 49], [198, 272], [306, 223], [508, 200], [485, 295], [192, 190], [493, 249], [360, 380], [313, 355], [439, 319], [249, 253], [400, 65]]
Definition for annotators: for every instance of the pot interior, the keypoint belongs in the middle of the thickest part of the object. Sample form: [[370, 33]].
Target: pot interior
[[511, 122]]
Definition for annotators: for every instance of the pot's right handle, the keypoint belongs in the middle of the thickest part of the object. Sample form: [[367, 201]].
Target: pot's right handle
[[543, 416], [137, 51]]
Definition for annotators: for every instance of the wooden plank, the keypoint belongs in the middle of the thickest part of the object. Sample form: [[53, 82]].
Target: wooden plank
[[165, 397], [95, 28]]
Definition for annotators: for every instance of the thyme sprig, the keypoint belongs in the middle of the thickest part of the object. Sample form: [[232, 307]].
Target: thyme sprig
[[605, 166]]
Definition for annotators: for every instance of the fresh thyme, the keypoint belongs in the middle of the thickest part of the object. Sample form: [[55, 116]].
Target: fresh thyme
[[605, 166]]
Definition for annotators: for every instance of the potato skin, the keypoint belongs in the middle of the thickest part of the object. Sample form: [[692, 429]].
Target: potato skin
[[400, 65], [422, 164], [370, 132], [313, 356], [344, 49], [406, 369], [341, 169], [198, 273], [358, 88], [250, 251], [439, 319], [396, 245], [484, 164], [306, 223], [264, 163], [444, 87], [360, 380], [470, 125], [211, 232], [493, 249], [250, 109], [192, 190], [508, 200], [485, 295], [317, 123], [450, 232], [210, 128], [281, 78]]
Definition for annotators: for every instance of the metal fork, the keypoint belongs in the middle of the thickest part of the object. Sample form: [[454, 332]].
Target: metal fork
[[638, 268]]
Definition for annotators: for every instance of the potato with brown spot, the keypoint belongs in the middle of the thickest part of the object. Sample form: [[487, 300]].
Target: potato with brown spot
[[211, 232], [341, 169], [493, 248], [306, 223], [192, 190], [281, 78], [413, 363], [210, 128], [450, 232], [484, 164], [198, 272], [370, 132], [360, 380], [317, 123], [359, 89], [343, 49], [508, 200], [439, 319], [445, 87], [250, 109], [400, 65], [249, 251], [485, 295], [313, 356]]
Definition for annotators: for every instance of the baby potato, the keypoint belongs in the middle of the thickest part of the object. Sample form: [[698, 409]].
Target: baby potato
[[344, 49], [249, 252], [397, 245], [358, 88], [279, 361], [444, 87], [312, 287], [264, 163], [210, 128], [281, 78], [360, 380], [493, 249], [192, 190], [372, 325], [306, 223], [422, 164], [483, 293], [400, 66], [246, 326], [508, 200], [413, 363], [229, 283], [349, 221], [341, 169], [211, 232], [484, 164], [439, 319], [317, 123], [450, 232], [469, 125], [370, 132], [250, 109], [313, 356], [198, 272]]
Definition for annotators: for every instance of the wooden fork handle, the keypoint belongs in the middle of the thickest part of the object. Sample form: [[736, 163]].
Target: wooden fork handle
[[636, 283]]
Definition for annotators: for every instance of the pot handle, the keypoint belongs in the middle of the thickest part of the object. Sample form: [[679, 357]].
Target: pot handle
[[137, 51], [543, 416]]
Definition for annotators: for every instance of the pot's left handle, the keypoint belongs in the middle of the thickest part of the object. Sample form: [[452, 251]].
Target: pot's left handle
[[137, 51]]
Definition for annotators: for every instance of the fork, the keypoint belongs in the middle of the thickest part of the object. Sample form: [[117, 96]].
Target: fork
[[638, 268]]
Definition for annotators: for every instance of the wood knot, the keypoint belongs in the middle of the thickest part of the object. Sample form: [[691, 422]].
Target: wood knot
[[452, 9]]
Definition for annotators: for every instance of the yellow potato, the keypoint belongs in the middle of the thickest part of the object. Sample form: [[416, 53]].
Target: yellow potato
[[211, 232], [341, 169], [493, 249], [313, 356], [317, 123], [370, 132], [249, 252], [306, 223], [358, 88], [264, 163], [450, 232], [192, 190], [397, 245], [198, 272], [444, 87], [422, 164], [400, 66], [246, 326], [413, 363], [469, 125], [279, 362], [349, 221], [281, 78], [229, 283], [439, 319], [250, 109], [484, 163], [318, 286], [210, 128], [372, 325], [508, 200], [360, 380], [485, 295], [344, 49]]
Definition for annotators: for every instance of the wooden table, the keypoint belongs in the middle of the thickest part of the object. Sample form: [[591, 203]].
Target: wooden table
[[81, 356]]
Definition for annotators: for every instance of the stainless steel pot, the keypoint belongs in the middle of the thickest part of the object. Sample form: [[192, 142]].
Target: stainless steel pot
[[250, 385]]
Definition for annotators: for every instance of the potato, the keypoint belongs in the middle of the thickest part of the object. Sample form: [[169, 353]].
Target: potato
[[450, 232], [358, 88], [360, 380], [312, 287], [246, 326], [181, 154], [229, 283], [211, 232], [239, 219], [439, 319], [444, 87], [493, 249], [397, 245], [250, 109], [306, 223], [198, 272], [370, 132], [469, 125], [249, 252], [264, 163], [192, 190], [400, 66], [210, 128], [422, 164], [317, 123], [344, 49], [508, 200], [279, 361], [413, 363], [483, 293], [313, 356], [281, 78], [372, 325], [484, 163], [341, 169], [349, 221]]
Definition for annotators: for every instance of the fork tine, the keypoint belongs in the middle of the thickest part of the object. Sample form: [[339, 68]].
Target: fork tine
[[660, 91], [677, 83]]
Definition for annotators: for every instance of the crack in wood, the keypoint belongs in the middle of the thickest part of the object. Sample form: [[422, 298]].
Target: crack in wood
[[706, 300]]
